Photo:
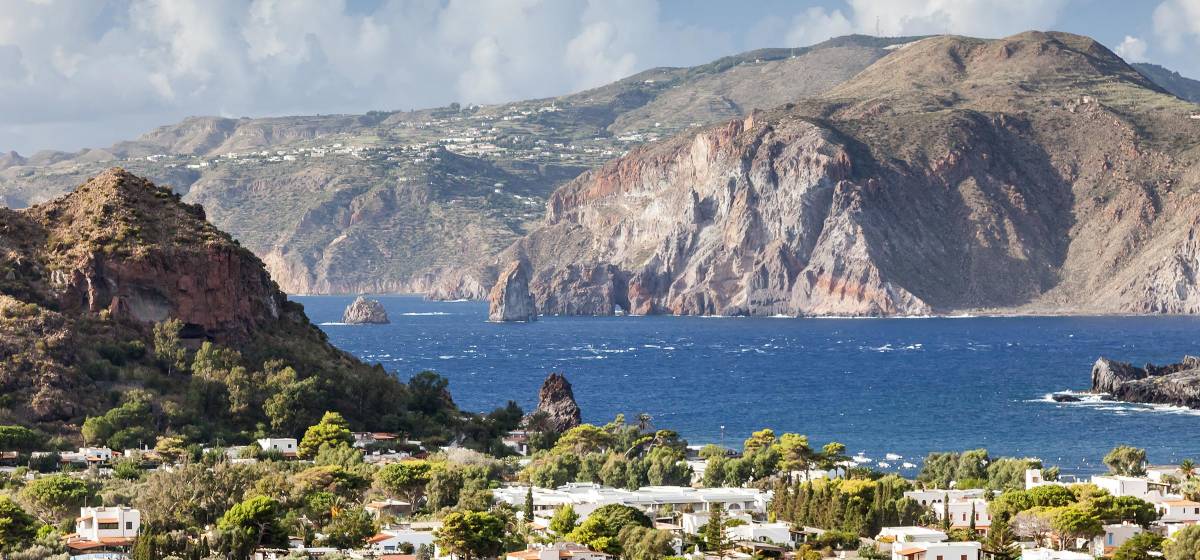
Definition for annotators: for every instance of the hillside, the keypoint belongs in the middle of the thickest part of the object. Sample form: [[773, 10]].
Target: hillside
[[91, 280], [1034, 174], [389, 201], [1179, 86]]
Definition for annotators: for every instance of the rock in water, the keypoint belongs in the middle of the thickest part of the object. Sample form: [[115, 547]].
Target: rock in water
[[365, 311], [557, 401], [510, 299], [1174, 384]]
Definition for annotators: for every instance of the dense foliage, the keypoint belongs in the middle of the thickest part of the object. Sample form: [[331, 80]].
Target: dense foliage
[[859, 506]]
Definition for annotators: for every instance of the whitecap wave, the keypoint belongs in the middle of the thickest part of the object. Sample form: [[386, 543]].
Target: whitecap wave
[[425, 314], [1105, 403]]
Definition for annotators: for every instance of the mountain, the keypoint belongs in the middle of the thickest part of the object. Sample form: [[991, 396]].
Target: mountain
[[1033, 174], [1179, 86], [392, 201], [89, 281]]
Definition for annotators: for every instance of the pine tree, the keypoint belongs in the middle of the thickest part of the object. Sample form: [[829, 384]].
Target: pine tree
[[529, 505], [1000, 541], [945, 513], [714, 530], [971, 532]]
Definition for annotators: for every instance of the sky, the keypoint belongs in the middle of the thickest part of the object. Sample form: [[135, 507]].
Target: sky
[[87, 73]]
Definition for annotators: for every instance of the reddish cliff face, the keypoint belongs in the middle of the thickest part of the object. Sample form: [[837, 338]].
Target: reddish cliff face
[[1037, 173], [122, 245]]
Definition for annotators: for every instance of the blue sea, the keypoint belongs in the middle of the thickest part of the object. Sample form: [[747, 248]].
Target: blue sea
[[881, 386]]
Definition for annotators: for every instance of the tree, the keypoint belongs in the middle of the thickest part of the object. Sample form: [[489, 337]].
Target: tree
[[332, 430], [832, 455], [1187, 468], [643, 543], [1140, 547], [17, 528], [1185, 545], [1126, 460], [250, 524], [349, 529], [167, 348], [55, 498], [405, 480], [1032, 524], [796, 454], [471, 534], [644, 421], [1074, 523], [601, 529], [529, 504], [1000, 541], [18, 438], [564, 520], [714, 531]]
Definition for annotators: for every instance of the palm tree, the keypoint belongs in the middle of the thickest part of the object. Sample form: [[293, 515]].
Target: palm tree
[[1188, 468], [643, 421]]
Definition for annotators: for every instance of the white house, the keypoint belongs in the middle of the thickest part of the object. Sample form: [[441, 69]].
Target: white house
[[586, 498], [961, 505], [1034, 478], [1178, 511], [968, 550], [286, 446], [1159, 473], [558, 551], [1114, 536], [771, 533], [1143, 488], [101, 527], [416, 534], [693, 523]]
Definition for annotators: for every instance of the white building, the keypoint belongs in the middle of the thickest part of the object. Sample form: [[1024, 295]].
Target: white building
[[1143, 488], [1159, 473], [585, 498], [693, 523], [1178, 511], [1114, 536], [968, 550], [1034, 478], [558, 551], [286, 446], [770, 533], [393, 540], [961, 505], [102, 527]]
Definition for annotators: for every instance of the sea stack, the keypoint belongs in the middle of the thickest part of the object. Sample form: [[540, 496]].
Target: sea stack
[[557, 401], [510, 299], [365, 312]]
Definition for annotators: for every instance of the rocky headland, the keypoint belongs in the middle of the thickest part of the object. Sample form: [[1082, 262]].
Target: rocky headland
[[1037, 173], [510, 299], [1175, 384], [365, 311]]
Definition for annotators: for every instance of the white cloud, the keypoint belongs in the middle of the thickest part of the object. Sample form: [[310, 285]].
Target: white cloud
[[1177, 25], [110, 68], [815, 25], [1132, 49]]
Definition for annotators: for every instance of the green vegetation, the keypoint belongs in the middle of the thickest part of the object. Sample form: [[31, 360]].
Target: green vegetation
[[1185, 545], [472, 534], [975, 469], [602, 529], [861, 506], [616, 454], [1126, 460]]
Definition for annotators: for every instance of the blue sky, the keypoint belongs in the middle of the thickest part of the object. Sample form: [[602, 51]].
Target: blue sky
[[86, 73]]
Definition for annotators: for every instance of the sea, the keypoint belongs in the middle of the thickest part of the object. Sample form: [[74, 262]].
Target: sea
[[891, 390]]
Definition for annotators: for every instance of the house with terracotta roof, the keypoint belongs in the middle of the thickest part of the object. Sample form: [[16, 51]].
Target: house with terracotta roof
[[105, 529], [1178, 511], [399, 539], [968, 550], [389, 508]]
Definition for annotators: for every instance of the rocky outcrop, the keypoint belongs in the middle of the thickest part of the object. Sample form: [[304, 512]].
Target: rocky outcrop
[[510, 299], [952, 175], [556, 401], [1174, 384], [365, 311]]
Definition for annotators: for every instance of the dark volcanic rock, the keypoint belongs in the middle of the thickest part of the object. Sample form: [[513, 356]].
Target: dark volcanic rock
[[558, 402], [1063, 397], [510, 299], [1175, 384], [365, 311]]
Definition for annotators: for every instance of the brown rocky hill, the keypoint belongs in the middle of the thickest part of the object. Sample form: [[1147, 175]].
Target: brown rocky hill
[[1036, 173], [85, 278], [389, 201]]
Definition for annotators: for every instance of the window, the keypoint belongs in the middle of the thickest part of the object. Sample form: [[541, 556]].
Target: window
[[963, 557], [109, 526], [128, 525], [1110, 539]]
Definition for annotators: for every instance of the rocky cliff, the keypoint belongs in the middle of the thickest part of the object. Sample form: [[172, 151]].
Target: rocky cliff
[[1174, 384], [556, 402], [510, 299], [85, 279], [365, 311], [1035, 173]]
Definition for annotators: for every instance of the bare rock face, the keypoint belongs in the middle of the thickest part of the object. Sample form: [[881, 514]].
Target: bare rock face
[[928, 183], [365, 311], [1174, 384], [557, 401], [510, 299]]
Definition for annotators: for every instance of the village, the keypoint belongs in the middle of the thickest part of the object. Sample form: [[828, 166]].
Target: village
[[695, 521]]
